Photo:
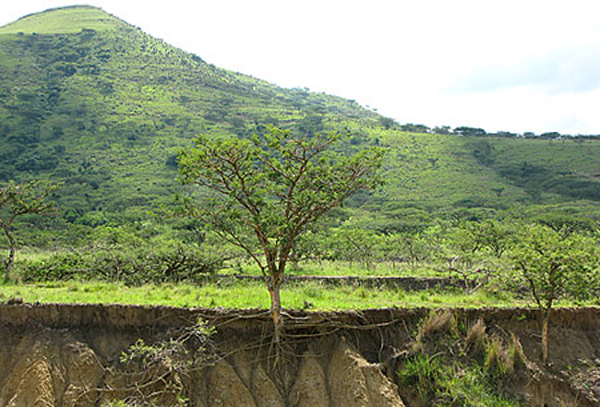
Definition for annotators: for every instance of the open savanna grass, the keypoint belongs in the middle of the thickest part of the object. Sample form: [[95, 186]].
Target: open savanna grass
[[344, 268], [383, 269], [32, 254], [240, 295]]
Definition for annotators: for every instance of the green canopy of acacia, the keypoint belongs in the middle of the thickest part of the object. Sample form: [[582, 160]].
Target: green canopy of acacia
[[261, 194]]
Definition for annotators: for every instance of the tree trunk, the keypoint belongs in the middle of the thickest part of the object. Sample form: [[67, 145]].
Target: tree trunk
[[276, 313], [545, 327], [11, 257]]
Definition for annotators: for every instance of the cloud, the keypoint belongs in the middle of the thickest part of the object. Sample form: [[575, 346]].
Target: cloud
[[560, 72]]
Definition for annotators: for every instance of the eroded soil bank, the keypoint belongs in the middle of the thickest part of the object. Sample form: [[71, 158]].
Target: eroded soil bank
[[70, 355]]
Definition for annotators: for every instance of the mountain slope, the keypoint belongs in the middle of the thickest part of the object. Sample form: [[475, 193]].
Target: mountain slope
[[87, 99], [91, 100]]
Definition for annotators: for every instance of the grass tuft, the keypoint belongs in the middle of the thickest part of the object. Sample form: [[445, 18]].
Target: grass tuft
[[475, 342], [500, 359], [439, 322]]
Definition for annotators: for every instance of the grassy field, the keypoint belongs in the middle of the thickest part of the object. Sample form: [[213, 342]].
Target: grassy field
[[345, 268], [311, 296]]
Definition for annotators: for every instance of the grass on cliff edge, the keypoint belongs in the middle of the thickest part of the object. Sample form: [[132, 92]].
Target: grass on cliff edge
[[312, 296]]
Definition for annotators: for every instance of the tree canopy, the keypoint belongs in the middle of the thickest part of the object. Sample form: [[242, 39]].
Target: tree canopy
[[555, 265], [261, 194]]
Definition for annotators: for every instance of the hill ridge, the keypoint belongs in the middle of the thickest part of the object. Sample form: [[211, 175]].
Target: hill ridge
[[63, 19]]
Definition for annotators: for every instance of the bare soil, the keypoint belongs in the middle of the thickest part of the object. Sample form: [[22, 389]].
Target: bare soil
[[69, 355]]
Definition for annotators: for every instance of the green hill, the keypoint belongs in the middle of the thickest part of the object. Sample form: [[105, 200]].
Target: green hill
[[440, 176], [87, 99], [92, 101], [70, 20]]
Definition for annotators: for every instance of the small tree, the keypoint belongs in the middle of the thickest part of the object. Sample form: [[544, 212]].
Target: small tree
[[475, 250], [17, 200], [262, 194], [356, 244], [555, 266]]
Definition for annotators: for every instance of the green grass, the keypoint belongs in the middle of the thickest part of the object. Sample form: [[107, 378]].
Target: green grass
[[62, 21], [32, 254], [231, 295], [344, 268], [456, 382]]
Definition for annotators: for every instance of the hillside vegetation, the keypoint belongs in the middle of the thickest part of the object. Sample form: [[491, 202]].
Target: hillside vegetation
[[93, 102]]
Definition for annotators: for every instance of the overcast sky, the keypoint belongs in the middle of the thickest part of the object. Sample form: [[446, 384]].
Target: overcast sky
[[504, 65]]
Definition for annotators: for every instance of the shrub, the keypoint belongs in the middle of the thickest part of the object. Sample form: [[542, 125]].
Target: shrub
[[63, 266], [132, 266]]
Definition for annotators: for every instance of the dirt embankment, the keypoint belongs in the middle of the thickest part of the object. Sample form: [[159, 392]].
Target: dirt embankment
[[70, 355]]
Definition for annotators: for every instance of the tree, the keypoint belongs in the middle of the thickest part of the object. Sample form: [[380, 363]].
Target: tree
[[354, 243], [474, 251], [470, 131], [262, 194], [406, 247], [555, 266], [21, 199]]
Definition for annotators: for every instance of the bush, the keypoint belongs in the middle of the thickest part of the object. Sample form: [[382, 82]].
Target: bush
[[64, 266], [132, 266]]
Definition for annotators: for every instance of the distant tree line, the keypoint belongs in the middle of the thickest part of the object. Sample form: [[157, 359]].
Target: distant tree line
[[467, 131]]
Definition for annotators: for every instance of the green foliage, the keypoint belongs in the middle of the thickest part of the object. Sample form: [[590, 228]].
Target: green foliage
[[353, 244], [555, 266], [499, 359], [92, 101], [61, 20], [60, 267], [17, 199], [131, 266], [175, 351], [276, 183], [469, 387], [95, 103], [535, 166], [21, 199], [436, 379], [475, 341], [474, 250]]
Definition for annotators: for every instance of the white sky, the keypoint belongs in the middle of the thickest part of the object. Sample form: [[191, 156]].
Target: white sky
[[523, 65]]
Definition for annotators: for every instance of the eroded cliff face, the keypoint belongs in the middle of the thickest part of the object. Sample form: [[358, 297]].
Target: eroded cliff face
[[69, 355]]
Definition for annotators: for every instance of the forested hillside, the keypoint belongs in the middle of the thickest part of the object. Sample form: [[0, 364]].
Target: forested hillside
[[93, 102]]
